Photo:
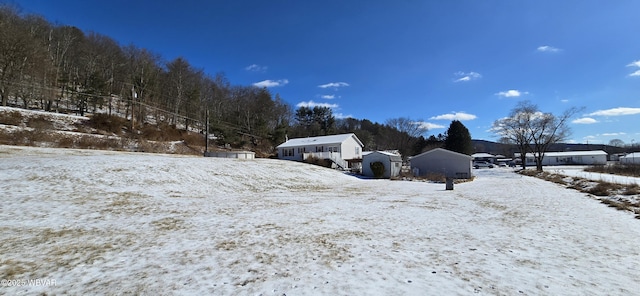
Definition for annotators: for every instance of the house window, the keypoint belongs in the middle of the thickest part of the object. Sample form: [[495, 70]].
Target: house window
[[333, 149], [357, 150], [287, 152], [301, 150]]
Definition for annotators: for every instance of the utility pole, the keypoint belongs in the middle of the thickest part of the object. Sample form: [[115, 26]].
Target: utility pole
[[206, 133]]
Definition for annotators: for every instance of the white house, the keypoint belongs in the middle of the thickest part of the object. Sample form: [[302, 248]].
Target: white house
[[631, 158], [338, 148], [392, 163], [568, 158], [441, 161]]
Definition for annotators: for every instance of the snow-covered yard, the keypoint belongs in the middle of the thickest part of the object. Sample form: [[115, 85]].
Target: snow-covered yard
[[98, 222], [578, 171]]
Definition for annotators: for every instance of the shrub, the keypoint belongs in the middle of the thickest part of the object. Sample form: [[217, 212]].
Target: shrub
[[169, 132], [65, 142], [377, 168], [39, 122], [633, 189], [603, 189], [318, 161], [193, 139], [436, 177], [96, 142], [109, 123], [11, 118]]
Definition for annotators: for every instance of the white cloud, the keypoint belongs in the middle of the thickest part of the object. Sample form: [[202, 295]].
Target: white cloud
[[564, 101], [256, 68], [634, 64], [271, 83], [616, 112], [547, 48], [342, 116], [429, 125], [333, 85], [512, 93], [311, 104], [466, 76], [328, 97], [454, 116], [613, 134], [585, 120]]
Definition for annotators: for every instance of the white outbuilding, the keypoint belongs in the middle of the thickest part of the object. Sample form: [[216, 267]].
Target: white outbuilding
[[569, 158], [441, 161], [392, 163], [631, 158]]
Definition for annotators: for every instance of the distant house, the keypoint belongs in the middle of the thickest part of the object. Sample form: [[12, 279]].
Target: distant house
[[340, 149], [568, 158], [441, 161], [392, 163], [631, 158]]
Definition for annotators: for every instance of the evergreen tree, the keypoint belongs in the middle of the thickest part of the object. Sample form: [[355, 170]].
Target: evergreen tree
[[458, 138]]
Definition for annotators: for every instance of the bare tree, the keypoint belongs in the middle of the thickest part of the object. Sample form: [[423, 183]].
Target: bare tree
[[514, 129], [548, 129], [534, 131], [616, 143], [407, 131], [15, 42]]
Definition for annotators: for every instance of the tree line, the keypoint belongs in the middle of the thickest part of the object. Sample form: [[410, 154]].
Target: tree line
[[60, 68]]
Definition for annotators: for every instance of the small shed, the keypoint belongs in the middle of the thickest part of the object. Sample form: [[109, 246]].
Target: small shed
[[441, 161], [631, 158], [392, 163]]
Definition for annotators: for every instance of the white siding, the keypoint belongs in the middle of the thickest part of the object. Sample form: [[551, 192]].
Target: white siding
[[351, 149], [631, 158], [337, 147], [569, 158], [391, 167]]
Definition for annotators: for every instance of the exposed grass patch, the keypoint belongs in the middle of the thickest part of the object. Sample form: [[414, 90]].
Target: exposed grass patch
[[11, 269], [168, 224], [604, 189], [632, 190]]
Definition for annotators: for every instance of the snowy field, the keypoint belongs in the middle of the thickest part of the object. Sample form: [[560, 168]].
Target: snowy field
[[98, 222]]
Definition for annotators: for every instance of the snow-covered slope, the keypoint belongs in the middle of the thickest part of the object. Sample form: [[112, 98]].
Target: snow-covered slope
[[101, 222]]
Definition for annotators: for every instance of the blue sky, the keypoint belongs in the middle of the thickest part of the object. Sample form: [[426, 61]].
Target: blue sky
[[432, 61]]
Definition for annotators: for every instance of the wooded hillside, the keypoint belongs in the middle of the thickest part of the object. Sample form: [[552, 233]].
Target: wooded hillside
[[62, 69]]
